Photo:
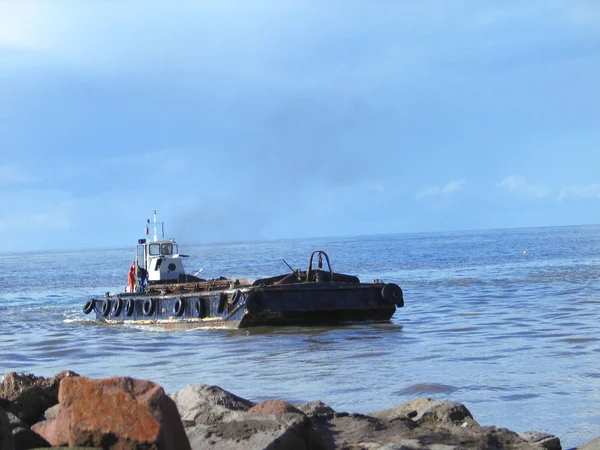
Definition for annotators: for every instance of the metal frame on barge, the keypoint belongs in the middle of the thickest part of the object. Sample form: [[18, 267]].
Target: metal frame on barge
[[175, 300]]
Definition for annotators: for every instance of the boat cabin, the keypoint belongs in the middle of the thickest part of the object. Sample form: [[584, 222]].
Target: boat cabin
[[160, 258]]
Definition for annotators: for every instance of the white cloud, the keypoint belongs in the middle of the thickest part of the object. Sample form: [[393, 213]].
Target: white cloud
[[518, 185], [512, 182], [580, 192], [453, 186], [17, 27], [450, 188]]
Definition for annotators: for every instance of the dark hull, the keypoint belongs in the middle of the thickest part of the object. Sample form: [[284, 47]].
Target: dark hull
[[330, 303]]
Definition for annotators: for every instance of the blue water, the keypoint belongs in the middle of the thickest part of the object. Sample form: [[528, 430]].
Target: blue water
[[504, 321]]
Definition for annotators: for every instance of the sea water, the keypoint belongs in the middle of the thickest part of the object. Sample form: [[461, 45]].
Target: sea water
[[503, 321]]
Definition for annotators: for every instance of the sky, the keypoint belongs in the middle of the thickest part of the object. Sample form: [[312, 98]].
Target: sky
[[267, 119]]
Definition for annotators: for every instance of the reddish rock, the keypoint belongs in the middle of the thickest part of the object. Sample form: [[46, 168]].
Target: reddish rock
[[28, 396], [274, 407], [118, 413]]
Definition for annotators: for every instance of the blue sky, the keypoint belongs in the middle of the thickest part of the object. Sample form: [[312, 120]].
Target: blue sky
[[251, 120]]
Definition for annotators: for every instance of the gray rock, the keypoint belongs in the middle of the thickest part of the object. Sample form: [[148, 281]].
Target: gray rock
[[446, 425], [344, 430], [543, 440], [209, 405], [50, 413], [430, 411], [315, 408], [592, 445], [214, 418], [274, 432], [6, 437]]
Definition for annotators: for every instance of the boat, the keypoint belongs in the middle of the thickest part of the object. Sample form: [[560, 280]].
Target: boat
[[174, 299]]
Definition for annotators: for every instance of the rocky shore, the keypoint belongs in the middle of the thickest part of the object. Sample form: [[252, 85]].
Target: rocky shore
[[71, 411]]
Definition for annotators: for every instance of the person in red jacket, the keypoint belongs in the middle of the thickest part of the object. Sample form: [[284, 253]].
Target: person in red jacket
[[131, 278]]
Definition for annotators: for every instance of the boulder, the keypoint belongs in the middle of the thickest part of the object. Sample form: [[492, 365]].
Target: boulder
[[315, 408], [543, 440], [215, 418], [343, 430], [430, 411], [288, 431], [28, 396], [6, 437], [119, 413], [209, 405]]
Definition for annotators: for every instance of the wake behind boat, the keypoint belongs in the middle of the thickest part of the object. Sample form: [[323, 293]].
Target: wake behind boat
[[160, 292]]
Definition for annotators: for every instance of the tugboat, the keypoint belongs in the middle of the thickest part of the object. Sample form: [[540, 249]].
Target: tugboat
[[173, 299]]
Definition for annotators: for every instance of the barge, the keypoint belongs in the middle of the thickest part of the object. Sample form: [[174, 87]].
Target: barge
[[163, 294]]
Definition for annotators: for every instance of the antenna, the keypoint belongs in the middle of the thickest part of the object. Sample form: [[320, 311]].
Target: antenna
[[155, 238]]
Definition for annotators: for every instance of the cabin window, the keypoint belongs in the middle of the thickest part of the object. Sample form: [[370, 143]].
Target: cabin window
[[155, 249], [166, 249]]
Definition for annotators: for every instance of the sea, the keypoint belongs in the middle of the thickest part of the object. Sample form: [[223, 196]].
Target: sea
[[504, 321]]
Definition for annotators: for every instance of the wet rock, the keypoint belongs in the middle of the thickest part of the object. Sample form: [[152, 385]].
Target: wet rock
[[118, 413], [209, 405], [6, 437], [28, 396]]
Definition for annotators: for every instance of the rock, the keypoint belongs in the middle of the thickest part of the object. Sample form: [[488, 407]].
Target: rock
[[6, 437], [50, 413], [448, 424], [274, 407], [315, 408], [344, 430], [28, 396], [215, 418], [428, 410], [15, 422], [291, 431], [209, 405], [543, 440], [23, 437], [26, 438], [592, 445], [120, 413]]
